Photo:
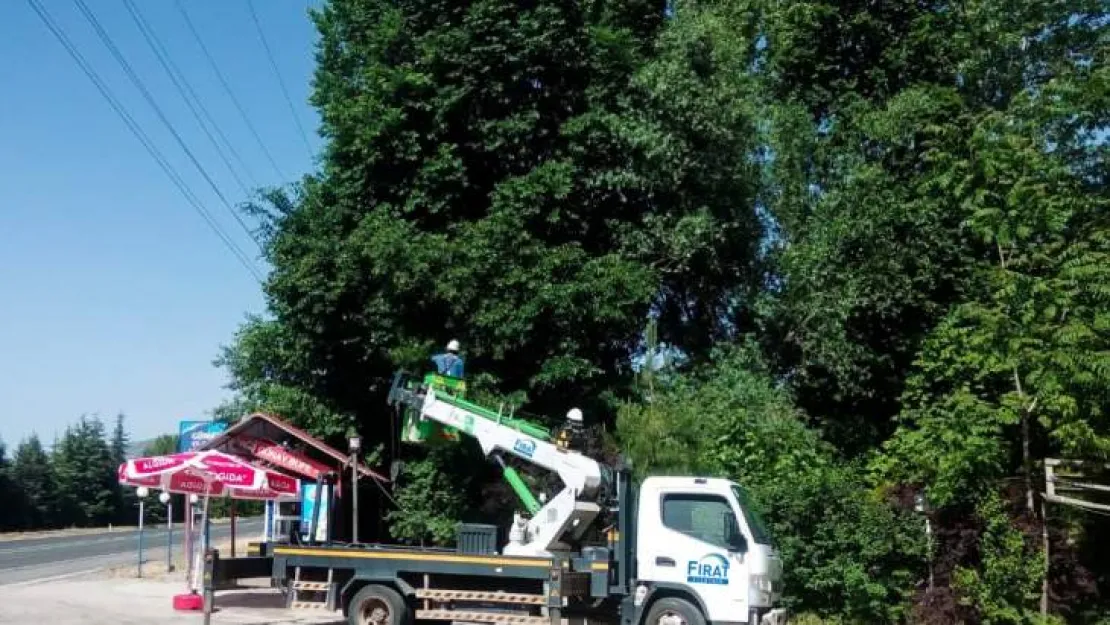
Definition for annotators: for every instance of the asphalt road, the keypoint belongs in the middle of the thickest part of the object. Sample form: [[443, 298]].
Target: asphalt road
[[40, 558]]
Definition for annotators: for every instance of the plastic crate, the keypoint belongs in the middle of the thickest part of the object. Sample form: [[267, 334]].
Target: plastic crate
[[475, 538]]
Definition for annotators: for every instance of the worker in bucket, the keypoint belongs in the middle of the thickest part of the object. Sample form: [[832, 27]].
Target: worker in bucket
[[449, 363], [571, 434]]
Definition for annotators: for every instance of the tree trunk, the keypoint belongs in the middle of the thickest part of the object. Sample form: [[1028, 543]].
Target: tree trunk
[[1027, 471]]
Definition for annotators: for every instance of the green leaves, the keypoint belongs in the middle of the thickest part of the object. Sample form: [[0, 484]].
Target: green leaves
[[874, 233], [1006, 586], [845, 550]]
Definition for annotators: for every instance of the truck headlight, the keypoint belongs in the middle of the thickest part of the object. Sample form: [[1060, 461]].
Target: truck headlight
[[761, 591], [762, 583]]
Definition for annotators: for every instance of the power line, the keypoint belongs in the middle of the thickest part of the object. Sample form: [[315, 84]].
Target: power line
[[281, 82], [227, 89], [141, 136], [106, 39], [182, 86], [204, 110]]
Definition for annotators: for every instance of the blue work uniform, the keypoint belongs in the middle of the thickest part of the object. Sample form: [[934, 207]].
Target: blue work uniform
[[449, 364]]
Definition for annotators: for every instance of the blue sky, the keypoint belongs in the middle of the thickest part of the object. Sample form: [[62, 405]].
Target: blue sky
[[114, 293]]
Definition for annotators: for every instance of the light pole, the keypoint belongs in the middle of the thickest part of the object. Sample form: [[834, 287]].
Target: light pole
[[167, 500], [190, 535], [919, 505], [141, 492], [355, 444]]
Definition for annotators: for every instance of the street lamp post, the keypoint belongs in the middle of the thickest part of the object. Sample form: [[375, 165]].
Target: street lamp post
[[355, 444], [141, 492], [190, 535], [920, 505], [167, 499]]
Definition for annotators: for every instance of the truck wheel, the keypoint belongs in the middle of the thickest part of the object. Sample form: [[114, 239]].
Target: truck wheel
[[674, 611], [377, 605]]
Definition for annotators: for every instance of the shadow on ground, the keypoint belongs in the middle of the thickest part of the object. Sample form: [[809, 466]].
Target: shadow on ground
[[267, 605]]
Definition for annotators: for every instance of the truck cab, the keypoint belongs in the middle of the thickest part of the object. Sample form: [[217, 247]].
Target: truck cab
[[699, 541]]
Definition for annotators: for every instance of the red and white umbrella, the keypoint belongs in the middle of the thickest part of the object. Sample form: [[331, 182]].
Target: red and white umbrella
[[208, 474], [184, 482], [211, 473]]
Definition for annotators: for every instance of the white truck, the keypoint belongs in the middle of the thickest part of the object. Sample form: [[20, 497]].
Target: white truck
[[673, 550]]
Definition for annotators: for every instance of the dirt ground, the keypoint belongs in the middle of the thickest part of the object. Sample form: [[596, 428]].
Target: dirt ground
[[118, 597]]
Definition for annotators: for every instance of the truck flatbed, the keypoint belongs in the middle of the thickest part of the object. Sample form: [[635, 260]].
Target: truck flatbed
[[392, 559], [441, 584]]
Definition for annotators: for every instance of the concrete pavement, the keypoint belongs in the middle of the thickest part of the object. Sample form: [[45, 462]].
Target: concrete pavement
[[52, 556]]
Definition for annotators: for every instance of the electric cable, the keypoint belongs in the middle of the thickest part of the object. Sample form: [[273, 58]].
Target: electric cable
[[227, 89], [106, 39], [129, 121], [281, 82], [184, 90]]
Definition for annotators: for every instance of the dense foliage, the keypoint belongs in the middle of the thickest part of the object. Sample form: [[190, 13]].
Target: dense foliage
[[872, 240]]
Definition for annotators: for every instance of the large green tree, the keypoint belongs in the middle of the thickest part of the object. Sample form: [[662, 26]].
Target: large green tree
[[8, 518], [37, 501], [515, 176], [86, 475]]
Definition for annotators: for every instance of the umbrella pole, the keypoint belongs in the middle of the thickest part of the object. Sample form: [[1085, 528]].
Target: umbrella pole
[[189, 542], [232, 528]]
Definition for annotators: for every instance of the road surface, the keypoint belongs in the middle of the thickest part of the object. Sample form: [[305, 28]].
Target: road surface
[[52, 556]]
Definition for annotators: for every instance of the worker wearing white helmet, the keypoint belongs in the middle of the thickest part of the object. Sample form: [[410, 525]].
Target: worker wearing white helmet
[[449, 363], [570, 435]]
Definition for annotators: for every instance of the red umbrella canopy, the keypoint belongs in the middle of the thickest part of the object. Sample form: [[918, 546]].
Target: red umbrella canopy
[[184, 482], [208, 473]]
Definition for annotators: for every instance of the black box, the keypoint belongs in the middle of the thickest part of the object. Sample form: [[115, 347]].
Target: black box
[[475, 538]]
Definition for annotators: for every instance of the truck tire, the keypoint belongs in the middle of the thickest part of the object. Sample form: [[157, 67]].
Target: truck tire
[[378, 605], [674, 611]]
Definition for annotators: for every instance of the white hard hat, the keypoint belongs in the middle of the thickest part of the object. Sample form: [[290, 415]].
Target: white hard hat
[[574, 415], [452, 345]]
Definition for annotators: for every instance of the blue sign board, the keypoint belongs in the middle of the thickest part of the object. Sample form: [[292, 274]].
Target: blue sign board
[[191, 435]]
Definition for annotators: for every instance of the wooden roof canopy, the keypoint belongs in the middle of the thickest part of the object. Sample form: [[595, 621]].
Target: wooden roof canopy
[[307, 451]]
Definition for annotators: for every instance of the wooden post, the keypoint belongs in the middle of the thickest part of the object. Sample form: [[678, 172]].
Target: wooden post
[[207, 590], [1049, 492], [1047, 559]]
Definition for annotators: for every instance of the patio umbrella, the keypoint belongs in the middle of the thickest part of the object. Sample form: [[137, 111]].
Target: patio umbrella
[[239, 477], [208, 473]]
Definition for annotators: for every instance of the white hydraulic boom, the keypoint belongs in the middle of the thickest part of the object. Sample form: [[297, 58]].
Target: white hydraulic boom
[[567, 515]]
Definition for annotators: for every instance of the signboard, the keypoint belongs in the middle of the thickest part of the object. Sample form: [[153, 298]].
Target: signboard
[[285, 458], [308, 506], [191, 435]]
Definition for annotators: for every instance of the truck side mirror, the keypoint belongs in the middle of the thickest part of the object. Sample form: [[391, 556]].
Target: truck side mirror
[[733, 535], [738, 543]]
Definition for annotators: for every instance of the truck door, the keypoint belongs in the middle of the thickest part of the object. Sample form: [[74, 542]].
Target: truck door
[[696, 542]]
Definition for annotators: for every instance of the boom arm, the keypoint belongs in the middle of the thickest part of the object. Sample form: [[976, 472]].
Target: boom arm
[[565, 516]]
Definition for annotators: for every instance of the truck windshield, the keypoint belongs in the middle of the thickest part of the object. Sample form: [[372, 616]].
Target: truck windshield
[[759, 529]]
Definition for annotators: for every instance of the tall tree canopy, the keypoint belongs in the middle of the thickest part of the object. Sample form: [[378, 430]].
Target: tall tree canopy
[[875, 233], [505, 174]]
